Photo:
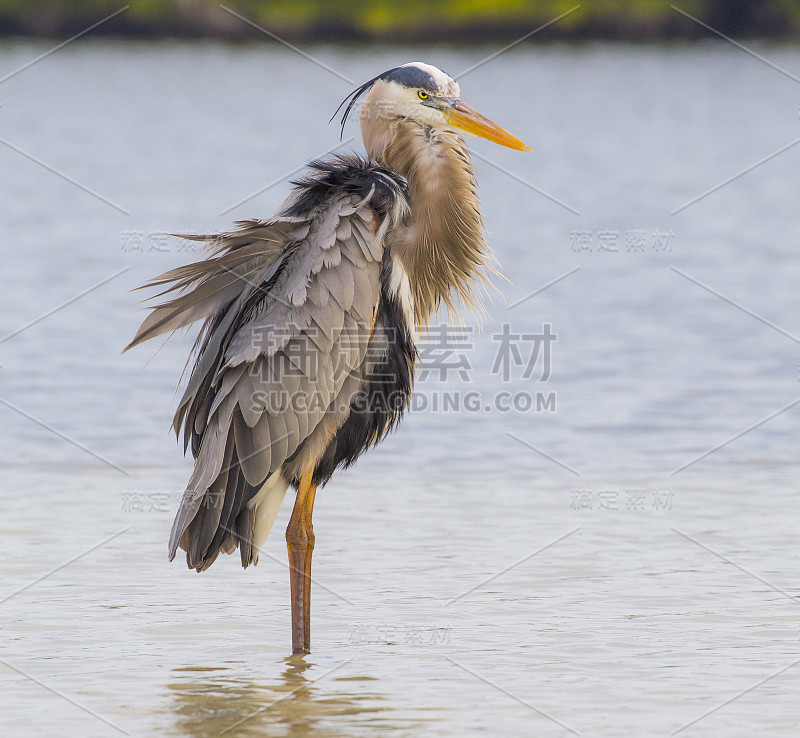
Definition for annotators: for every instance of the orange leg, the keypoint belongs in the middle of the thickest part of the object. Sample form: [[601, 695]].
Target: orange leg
[[300, 541]]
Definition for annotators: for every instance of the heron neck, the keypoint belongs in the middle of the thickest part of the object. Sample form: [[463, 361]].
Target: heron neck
[[442, 243]]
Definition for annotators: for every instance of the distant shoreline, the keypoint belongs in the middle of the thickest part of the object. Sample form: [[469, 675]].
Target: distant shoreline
[[344, 23]]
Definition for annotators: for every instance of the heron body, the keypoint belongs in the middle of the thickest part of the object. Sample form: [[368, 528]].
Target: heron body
[[307, 351]]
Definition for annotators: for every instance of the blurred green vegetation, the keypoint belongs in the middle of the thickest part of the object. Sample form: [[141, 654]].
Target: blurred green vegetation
[[405, 20]]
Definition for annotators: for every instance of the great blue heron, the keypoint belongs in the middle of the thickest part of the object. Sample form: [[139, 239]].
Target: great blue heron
[[307, 354]]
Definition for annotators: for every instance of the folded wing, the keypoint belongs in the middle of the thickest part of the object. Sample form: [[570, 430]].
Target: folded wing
[[289, 308]]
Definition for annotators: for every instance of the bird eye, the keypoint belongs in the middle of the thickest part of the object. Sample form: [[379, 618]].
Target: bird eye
[[423, 95]]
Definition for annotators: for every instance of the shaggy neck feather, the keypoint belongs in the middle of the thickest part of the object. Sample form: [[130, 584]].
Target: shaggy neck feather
[[442, 242]]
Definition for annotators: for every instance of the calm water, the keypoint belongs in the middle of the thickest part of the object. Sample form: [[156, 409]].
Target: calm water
[[594, 580]]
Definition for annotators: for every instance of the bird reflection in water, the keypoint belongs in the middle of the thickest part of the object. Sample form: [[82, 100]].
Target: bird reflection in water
[[302, 702]]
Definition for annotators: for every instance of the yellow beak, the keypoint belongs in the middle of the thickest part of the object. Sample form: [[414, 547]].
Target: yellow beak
[[462, 116]]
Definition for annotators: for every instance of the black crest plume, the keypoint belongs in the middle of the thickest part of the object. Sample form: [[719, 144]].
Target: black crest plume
[[352, 98]]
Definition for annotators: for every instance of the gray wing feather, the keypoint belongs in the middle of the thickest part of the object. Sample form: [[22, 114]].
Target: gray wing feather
[[332, 281], [318, 291], [279, 440], [247, 398], [332, 256], [328, 322], [283, 382], [305, 421], [261, 348], [229, 383], [254, 459], [202, 535], [363, 305], [293, 438], [343, 230], [345, 274], [217, 281], [362, 236]]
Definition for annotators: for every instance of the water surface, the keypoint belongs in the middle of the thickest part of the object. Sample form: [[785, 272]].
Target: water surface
[[602, 579]]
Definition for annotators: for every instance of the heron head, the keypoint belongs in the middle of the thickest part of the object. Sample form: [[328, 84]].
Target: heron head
[[426, 95]]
